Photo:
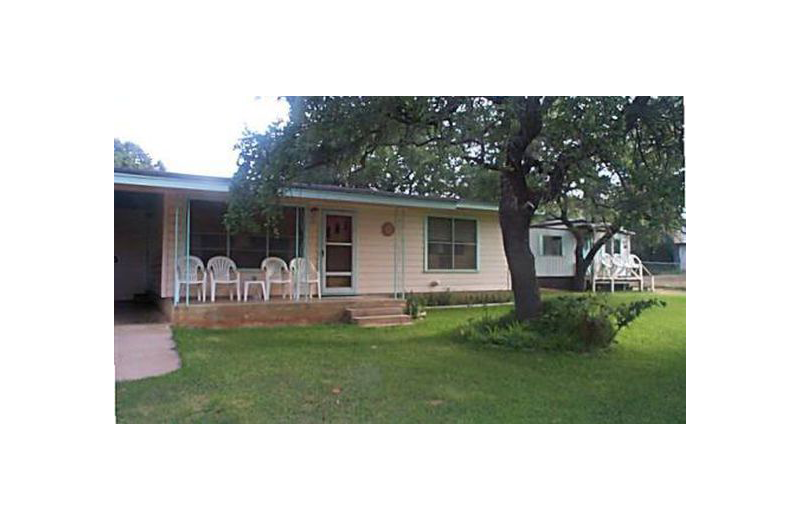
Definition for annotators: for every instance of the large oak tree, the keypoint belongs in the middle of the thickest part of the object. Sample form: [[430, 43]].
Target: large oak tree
[[540, 148], [636, 182]]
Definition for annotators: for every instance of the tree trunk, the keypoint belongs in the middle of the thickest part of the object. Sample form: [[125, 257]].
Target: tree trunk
[[516, 210], [579, 279], [515, 221], [582, 262]]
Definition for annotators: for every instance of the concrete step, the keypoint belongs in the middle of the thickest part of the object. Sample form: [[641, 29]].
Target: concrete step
[[375, 302], [387, 310], [382, 321]]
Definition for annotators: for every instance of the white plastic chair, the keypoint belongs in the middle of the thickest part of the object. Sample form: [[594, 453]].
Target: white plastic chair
[[304, 275], [276, 272], [196, 275], [620, 266], [223, 271], [605, 266]]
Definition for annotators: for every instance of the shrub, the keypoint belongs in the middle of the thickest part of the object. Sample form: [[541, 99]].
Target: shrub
[[439, 298], [447, 297], [413, 306], [581, 324]]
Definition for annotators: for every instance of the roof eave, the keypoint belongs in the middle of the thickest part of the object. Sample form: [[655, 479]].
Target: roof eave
[[221, 185], [215, 184]]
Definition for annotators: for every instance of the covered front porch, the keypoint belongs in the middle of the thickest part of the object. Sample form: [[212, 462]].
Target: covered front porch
[[365, 310]]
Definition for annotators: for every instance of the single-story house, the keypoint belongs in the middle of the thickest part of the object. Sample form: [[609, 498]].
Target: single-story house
[[363, 242], [680, 248], [553, 247]]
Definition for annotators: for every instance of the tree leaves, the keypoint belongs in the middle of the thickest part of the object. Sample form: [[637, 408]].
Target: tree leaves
[[131, 155], [611, 159]]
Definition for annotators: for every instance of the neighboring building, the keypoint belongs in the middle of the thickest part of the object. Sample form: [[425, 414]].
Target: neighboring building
[[553, 247], [363, 242], [680, 249]]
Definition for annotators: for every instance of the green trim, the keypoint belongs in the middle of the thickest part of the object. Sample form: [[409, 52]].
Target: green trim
[[477, 269], [222, 184], [387, 200], [482, 206], [215, 184]]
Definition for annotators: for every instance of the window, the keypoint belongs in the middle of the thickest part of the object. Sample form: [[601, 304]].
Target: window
[[551, 246], [588, 242], [614, 246], [452, 244], [210, 238], [287, 234]]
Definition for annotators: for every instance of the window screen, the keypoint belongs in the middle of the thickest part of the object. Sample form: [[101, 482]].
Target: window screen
[[452, 243], [551, 246], [209, 237]]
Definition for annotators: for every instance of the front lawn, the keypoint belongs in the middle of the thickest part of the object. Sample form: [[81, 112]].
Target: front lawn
[[415, 374]]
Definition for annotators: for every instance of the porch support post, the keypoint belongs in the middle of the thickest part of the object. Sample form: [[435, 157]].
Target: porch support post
[[395, 292], [188, 212], [176, 286], [297, 245], [403, 254]]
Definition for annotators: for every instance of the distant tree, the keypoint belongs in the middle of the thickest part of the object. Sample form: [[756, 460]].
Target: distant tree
[[539, 150], [636, 183], [653, 247], [130, 155]]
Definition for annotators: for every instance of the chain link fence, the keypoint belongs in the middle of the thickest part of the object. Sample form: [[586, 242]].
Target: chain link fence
[[664, 267]]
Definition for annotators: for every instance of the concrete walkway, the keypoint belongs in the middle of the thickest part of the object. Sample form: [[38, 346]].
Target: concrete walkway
[[144, 350]]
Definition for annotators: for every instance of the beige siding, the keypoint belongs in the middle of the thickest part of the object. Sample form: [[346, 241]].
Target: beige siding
[[155, 246], [492, 274], [376, 255], [173, 203], [377, 261]]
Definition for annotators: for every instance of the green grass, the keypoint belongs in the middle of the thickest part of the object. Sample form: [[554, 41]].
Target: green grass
[[415, 374]]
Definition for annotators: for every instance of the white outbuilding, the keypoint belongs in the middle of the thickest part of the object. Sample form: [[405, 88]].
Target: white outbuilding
[[553, 247]]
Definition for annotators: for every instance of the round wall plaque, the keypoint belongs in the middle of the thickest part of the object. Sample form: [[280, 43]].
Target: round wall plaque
[[387, 229]]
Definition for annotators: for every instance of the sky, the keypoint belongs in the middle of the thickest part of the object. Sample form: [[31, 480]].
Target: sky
[[194, 134]]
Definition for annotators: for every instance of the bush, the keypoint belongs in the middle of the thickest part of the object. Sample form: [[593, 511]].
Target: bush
[[447, 297], [413, 306], [577, 324]]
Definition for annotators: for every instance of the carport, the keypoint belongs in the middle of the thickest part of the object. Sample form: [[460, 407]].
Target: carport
[[137, 255]]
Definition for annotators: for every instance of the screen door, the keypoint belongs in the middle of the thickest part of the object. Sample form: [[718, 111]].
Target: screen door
[[337, 251]]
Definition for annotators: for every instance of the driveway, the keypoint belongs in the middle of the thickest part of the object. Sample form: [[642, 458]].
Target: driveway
[[144, 350], [671, 281]]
